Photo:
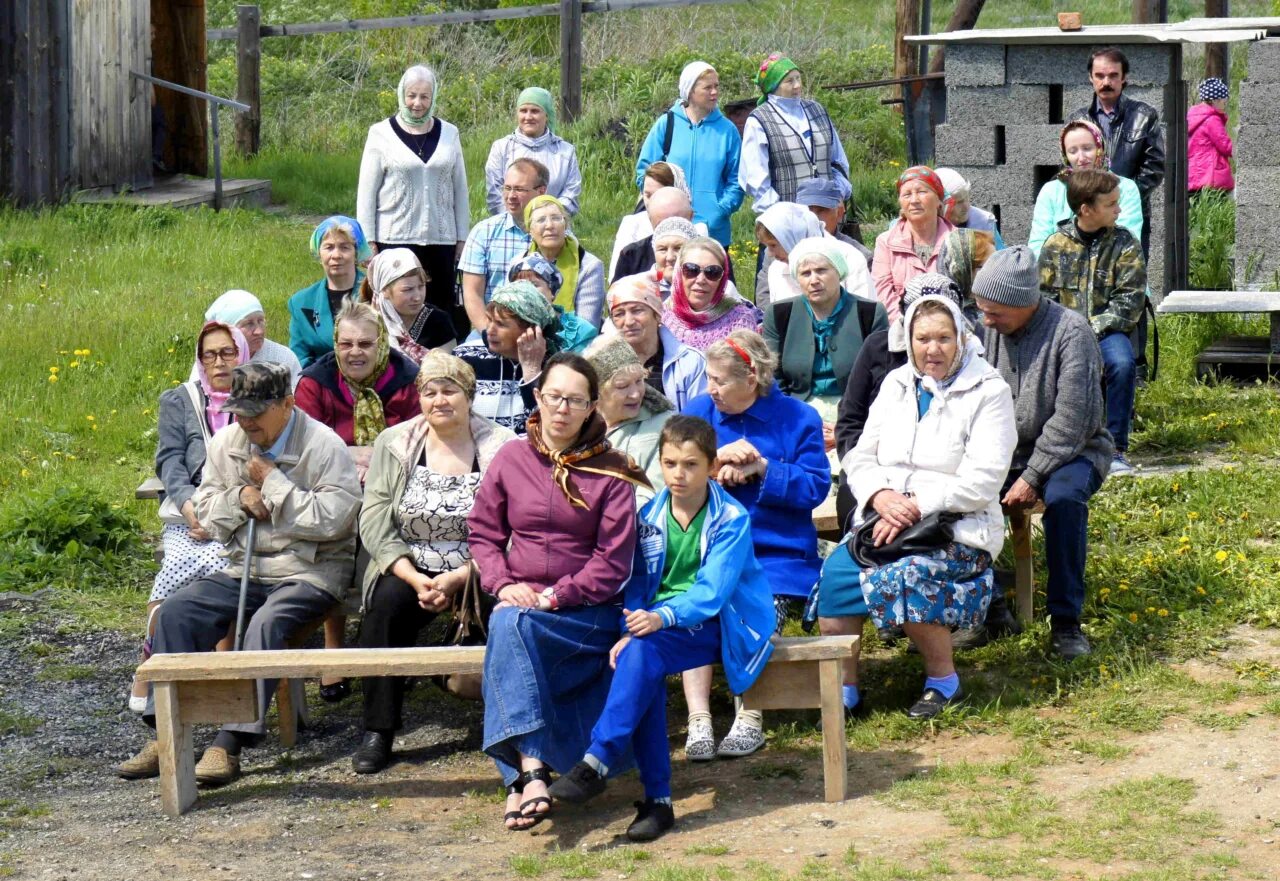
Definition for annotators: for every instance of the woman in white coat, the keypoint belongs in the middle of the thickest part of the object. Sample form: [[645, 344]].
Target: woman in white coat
[[939, 438]]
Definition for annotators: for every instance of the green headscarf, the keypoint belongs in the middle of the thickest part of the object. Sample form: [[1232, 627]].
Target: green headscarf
[[369, 420], [419, 73], [772, 71], [542, 98]]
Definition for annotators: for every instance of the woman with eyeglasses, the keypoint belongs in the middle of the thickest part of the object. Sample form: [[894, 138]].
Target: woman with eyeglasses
[[772, 459], [553, 531], [701, 311], [547, 220], [189, 415]]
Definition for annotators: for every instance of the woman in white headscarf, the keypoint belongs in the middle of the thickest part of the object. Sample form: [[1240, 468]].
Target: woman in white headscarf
[[413, 185], [243, 310], [785, 225], [695, 135], [396, 288]]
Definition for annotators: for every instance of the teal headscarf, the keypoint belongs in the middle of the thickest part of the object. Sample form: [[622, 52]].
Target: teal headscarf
[[348, 225], [542, 98], [419, 73]]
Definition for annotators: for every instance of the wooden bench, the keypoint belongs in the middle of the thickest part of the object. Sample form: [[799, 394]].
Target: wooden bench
[[218, 688], [1234, 356]]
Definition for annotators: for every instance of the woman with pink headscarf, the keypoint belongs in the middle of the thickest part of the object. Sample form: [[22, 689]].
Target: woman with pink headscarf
[[910, 248], [701, 311]]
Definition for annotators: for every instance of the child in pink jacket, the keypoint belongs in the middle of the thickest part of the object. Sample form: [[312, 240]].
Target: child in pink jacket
[[1208, 145]]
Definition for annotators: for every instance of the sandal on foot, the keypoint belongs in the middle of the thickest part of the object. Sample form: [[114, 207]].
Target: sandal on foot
[[517, 814], [335, 692], [542, 774]]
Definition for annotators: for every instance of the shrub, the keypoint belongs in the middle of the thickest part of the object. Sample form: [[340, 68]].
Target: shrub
[[70, 519]]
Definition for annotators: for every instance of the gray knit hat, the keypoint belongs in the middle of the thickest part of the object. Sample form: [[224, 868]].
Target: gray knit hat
[[1009, 277]]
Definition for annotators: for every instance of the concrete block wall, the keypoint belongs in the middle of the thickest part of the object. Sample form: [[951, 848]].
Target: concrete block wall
[[1003, 107], [1258, 169]]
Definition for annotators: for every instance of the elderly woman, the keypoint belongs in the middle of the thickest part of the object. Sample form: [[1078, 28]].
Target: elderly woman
[[243, 310], [534, 138], [779, 230], [413, 185], [771, 459], [696, 136], [1082, 147], [396, 288], [574, 333], [634, 411], [418, 494], [701, 310], [637, 225], [963, 253], [508, 356], [339, 243], [583, 290], [959, 210], [189, 415], [553, 530], [787, 138], [936, 447], [818, 340], [678, 371], [1209, 147], [911, 247]]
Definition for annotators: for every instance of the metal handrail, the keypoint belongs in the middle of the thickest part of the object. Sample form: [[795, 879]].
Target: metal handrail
[[217, 135]]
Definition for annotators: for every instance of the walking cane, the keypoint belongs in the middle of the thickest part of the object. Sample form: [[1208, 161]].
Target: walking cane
[[244, 581]]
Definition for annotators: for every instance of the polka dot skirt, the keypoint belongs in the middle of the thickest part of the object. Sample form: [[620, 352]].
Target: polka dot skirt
[[185, 560]]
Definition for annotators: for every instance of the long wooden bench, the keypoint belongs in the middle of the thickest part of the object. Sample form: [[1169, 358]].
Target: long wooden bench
[[218, 688], [1232, 356]]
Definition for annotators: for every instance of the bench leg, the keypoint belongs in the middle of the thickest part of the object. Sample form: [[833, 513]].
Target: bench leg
[[1023, 573], [835, 752], [287, 709], [177, 753]]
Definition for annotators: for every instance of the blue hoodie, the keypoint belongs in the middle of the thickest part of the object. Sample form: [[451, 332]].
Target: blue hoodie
[[708, 153], [730, 584]]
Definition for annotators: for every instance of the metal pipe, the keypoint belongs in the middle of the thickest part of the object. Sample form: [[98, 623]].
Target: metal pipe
[[194, 93], [217, 162]]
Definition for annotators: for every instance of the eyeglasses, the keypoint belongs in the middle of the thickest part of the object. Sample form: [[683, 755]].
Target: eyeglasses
[[516, 191], [361, 345], [230, 353], [692, 270], [554, 401]]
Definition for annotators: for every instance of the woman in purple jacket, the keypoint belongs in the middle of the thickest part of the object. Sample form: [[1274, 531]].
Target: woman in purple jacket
[[553, 532]]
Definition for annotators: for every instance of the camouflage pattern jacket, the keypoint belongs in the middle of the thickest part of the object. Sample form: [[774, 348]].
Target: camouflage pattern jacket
[[1105, 281]]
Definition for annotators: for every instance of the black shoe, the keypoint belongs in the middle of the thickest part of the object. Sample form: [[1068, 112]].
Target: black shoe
[[373, 754], [932, 703], [860, 710], [969, 638], [581, 784], [1000, 618], [336, 692], [890, 635], [653, 820], [1069, 642]]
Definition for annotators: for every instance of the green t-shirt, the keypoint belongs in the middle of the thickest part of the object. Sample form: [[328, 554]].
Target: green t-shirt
[[684, 555]]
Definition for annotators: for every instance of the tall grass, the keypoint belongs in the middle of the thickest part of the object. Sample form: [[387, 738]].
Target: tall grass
[[1211, 217]]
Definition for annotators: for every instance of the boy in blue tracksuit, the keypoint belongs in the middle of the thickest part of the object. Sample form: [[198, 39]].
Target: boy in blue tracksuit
[[696, 596]]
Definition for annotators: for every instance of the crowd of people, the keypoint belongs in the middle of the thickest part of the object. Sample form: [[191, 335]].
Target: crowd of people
[[619, 481]]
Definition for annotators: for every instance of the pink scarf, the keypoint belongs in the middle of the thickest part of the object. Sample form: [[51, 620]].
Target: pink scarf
[[716, 309], [215, 399]]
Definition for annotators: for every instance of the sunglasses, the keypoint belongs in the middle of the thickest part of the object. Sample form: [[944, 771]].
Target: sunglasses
[[693, 270]]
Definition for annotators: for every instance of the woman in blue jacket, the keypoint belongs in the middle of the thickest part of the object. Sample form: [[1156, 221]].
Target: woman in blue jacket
[[696, 596], [340, 246], [696, 136]]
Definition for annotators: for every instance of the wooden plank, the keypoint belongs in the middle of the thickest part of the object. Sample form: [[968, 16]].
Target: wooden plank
[[151, 488], [835, 750], [177, 752], [570, 59], [288, 699], [217, 701], [1219, 301], [788, 685], [313, 663], [905, 55], [825, 519], [1023, 565], [812, 648], [248, 78]]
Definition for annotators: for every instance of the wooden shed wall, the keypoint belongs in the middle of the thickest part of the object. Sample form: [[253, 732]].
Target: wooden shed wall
[[111, 111], [35, 161]]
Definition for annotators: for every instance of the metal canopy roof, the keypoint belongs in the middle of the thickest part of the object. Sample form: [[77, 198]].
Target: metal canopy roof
[[1196, 30]]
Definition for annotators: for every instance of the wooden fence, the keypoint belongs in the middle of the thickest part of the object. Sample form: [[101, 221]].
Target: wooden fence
[[249, 32]]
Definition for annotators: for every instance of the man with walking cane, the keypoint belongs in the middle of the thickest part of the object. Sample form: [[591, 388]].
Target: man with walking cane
[[280, 479]]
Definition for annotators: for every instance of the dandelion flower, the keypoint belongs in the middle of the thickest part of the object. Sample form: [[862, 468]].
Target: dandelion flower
[[74, 364], [1133, 617], [54, 369], [1163, 613], [53, 377], [1200, 590], [1221, 556]]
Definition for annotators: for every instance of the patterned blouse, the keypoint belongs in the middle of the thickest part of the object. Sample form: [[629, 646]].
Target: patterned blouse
[[433, 516]]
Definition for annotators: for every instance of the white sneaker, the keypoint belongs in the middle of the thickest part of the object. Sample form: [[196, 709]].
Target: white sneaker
[[137, 704], [700, 744], [742, 740], [1120, 467]]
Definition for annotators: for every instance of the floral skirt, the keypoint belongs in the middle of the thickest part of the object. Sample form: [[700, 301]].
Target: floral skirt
[[951, 586]]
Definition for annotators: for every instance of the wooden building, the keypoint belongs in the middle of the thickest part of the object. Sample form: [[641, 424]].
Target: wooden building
[[72, 115]]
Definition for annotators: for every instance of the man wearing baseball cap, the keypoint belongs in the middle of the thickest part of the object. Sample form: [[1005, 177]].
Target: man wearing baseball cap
[[292, 475], [1049, 356]]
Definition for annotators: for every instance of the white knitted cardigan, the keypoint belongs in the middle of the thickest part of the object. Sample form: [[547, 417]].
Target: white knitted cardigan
[[404, 201]]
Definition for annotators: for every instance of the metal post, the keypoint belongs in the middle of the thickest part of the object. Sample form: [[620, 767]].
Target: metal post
[[217, 159]]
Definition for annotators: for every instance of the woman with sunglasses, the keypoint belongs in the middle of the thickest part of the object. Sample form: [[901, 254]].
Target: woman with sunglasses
[[701, 311], [771, 458], [553, 531]]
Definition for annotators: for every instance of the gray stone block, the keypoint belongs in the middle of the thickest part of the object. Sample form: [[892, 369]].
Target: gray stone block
[[1258, 145], [1004, 185], [1257, 186], [975, 64], [986, 105], [1258, 104], [1015, 224], [1264, 61], [1257, 255], [1032, 144], [964, 145], [1067, 65]]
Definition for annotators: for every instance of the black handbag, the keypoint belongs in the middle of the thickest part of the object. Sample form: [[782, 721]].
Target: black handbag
[[930, 534]]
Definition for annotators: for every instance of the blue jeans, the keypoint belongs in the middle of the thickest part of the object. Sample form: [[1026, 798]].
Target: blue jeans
[[1119, 379], [635, 715], [1066, 497]]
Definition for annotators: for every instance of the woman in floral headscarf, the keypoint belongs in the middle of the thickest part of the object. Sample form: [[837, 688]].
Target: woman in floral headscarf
[[413, 185], [910, 248], [1082, 147], [535, 138], [701, 311]]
